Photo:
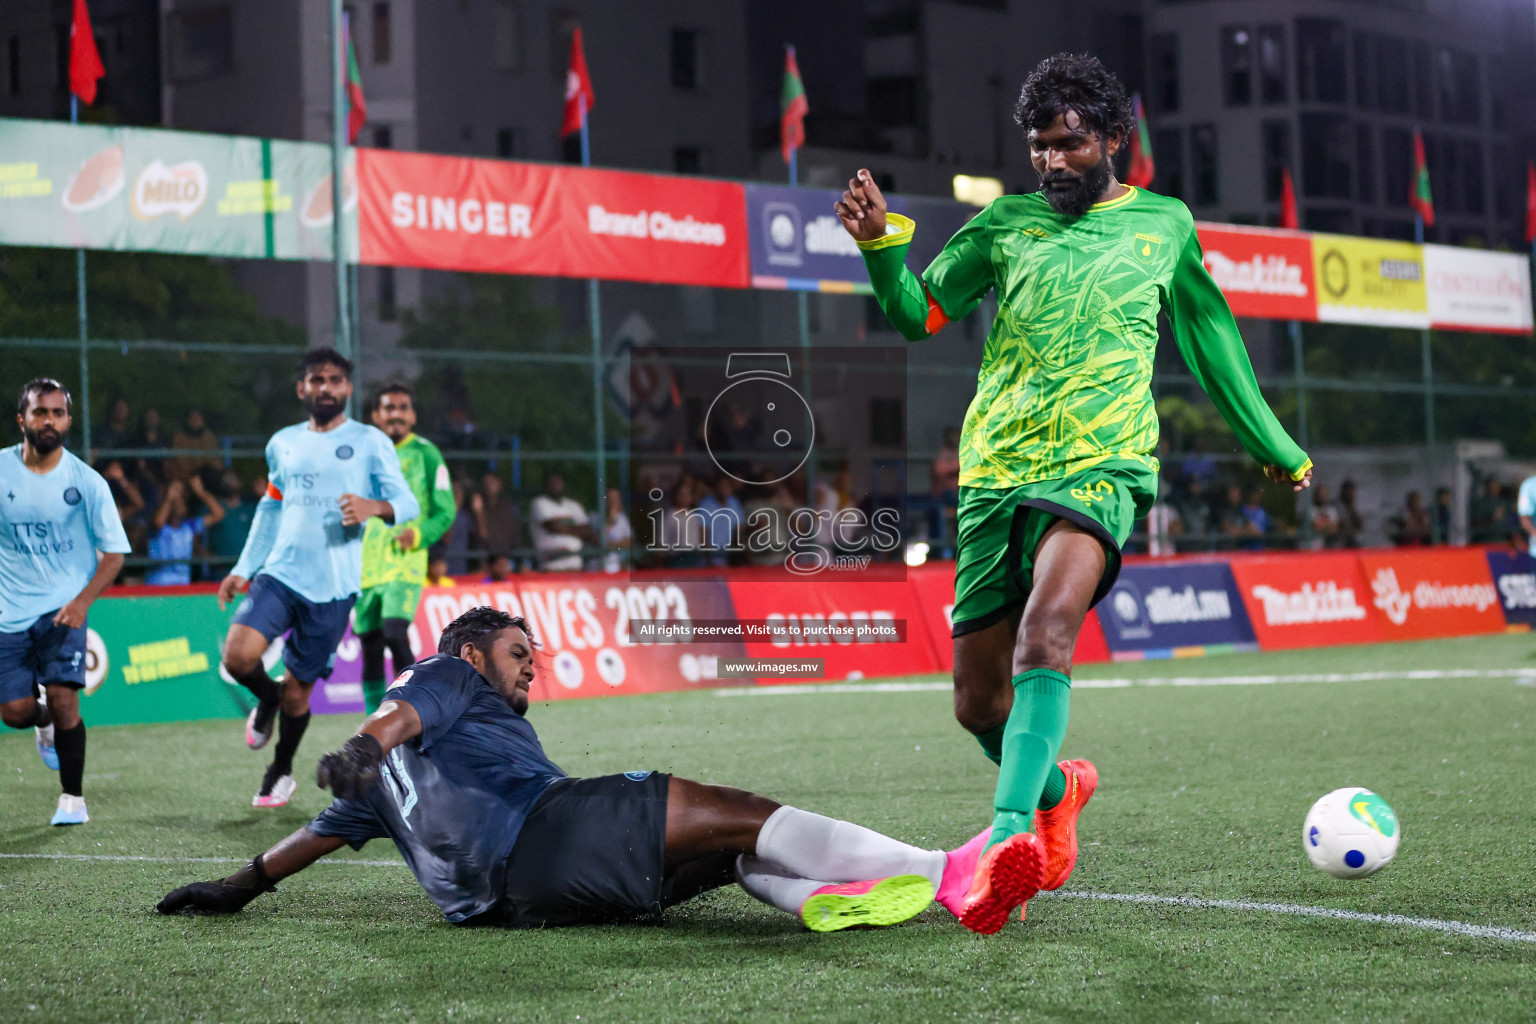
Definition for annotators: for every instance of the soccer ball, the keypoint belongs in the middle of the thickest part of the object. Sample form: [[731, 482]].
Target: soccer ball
[[1350, 833]]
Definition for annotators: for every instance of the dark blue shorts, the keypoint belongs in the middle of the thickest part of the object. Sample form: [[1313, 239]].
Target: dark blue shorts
[[43, 653], [272, 608]]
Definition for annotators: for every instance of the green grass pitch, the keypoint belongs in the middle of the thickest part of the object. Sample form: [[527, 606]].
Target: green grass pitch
[[1203, 793]]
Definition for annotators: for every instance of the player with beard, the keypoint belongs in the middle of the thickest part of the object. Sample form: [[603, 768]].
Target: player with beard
[[56, 514], [1056, 458], [303, 557], [395, 556]]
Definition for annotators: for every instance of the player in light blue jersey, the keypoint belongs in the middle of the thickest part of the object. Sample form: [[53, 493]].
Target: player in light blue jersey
[[56, 514], [1525, 506], [303, 559]]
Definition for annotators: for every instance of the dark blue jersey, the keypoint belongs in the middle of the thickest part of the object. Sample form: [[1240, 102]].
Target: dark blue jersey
[[454, 798]]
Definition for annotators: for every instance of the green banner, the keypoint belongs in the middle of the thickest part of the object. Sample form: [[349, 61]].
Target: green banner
[[156, 659], [137, 189]]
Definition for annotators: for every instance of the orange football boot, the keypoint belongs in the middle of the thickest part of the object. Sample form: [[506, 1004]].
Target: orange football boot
[[1007, 875], [1057, 827]]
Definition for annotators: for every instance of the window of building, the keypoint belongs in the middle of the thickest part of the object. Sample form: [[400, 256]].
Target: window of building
[[688, 160], [1168, 153], [1443, 159], [202, 44], [506, 37], [382, 40], [1456, 82], [1474, 200], [1276, 137], [506, 143], [1165, 73], [1203, 165], [1334, 220], [887, 422], [1272, 63], [1237, 66], [1507, 184], [892, 101], [562, 25], [1395, 92], [1365, 162], [13, 65], [1327, 155], [1321, 57], [1396, 166], [1423, 82], [383, 137], [1365, 71], [388, 311], [685, 59]]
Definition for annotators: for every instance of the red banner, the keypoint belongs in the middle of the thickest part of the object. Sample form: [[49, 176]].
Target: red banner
[[581, 626], [1434, 592], [497, 216], [934, 586], [1307, 600], [802, 608], [1262, 272]]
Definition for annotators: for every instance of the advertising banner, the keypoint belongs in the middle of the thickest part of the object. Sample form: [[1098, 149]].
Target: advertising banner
[[156, 659], [1262, 273], [1434, 592], [138, 190], [1307, 600], [800, 611], [1514, 577], [497, 216], [1475, 290], [1369, 281], [1175, 611], [934, 585]]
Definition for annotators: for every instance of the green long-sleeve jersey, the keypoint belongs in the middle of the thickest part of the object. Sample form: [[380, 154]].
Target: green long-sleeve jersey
[[384, 561], [1065, 380]]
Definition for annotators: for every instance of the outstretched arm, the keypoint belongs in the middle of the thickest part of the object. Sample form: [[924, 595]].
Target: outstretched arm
[[1208, 337], [230, 895], [354, 769]]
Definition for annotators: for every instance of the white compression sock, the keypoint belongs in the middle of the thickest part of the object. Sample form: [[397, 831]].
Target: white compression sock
[[815, 846], [768, 882]]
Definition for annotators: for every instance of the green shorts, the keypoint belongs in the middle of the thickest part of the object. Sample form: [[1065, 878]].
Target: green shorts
[[385, 601], [1000, 528]]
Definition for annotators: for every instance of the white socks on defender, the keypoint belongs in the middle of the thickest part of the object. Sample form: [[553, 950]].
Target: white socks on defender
[[768, 882], [813, 846]]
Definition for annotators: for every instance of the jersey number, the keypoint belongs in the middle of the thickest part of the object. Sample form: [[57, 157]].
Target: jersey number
[[401, 788]]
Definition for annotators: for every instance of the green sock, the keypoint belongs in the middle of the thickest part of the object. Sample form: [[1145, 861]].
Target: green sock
[[1055, 788], [1035, 729], [373, 694], [992, 744]]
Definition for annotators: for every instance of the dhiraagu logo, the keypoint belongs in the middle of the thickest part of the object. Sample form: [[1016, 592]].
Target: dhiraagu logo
[[1373, 810], [1096, 491]]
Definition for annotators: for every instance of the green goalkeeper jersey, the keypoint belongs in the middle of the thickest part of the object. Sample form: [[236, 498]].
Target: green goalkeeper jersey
[[384, 561], [1065, 380]]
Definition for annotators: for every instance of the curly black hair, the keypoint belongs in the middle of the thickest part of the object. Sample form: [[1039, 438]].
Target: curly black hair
[[479, 626], [1077, 82]]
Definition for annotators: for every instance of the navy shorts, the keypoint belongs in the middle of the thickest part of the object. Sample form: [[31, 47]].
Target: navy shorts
[[272, 608], [42, 653]]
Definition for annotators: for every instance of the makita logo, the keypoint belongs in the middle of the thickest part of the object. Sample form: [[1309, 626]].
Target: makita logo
[[1258, 275], [658, 225], [1166, 605], [1312, 604]]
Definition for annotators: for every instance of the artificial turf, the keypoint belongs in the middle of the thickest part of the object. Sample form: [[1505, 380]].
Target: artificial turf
[[1203, 793]]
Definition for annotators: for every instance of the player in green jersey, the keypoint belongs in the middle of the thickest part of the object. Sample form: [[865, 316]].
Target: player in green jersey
[[395, 557], [1056, 458]]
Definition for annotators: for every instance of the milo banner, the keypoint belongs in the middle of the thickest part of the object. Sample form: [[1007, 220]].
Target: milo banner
[[138, 190]]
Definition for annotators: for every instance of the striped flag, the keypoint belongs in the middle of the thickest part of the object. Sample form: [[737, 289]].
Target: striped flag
[[1418, 189], [357, 107], [793, 106], [1142, 169]]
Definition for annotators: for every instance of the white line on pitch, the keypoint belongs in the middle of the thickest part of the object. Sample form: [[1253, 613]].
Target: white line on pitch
[[1524, 676], [1476, 931]]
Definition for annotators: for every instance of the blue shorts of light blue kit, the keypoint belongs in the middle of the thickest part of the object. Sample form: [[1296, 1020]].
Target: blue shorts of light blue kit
[[43, 653], [272, 608]]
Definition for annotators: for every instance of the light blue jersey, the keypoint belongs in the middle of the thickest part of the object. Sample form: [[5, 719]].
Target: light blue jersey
[[53, 524], [296, 536], [1526, 506]]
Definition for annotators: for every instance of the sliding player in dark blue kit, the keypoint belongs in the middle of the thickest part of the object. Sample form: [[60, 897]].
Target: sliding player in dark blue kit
[[451, 771]]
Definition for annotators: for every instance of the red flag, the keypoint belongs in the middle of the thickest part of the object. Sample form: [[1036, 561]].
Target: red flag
[[1418, 188], [1287, 200], [357, 108], [1142, 168], [1530, 202], [793, 106], [84, 60], [578, 89]]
